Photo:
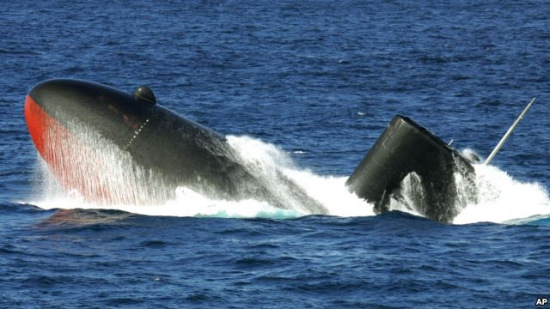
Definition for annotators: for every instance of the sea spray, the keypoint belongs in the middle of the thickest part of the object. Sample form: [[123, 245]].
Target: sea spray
[[91, 167], [500, 197], [503, 198], [265, 162], [330, 191], [410, 198]]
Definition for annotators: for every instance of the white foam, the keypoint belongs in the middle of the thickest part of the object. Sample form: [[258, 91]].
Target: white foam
[[501, 198], [330, 191], [186, 204], [266, 158]]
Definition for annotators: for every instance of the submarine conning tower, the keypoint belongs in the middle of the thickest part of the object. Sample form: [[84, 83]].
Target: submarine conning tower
[[407, 149]]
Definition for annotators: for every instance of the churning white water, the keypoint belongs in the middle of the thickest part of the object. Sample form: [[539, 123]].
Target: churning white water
[[501, 198]]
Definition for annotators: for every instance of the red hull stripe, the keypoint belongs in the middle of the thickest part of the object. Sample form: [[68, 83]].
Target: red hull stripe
[[39, 124], [75, 165]]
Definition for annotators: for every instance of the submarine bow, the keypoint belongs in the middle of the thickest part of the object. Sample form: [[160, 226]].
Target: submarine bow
[[72, 122]]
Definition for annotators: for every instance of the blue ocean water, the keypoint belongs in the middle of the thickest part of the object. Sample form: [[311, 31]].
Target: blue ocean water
[[314, 82]]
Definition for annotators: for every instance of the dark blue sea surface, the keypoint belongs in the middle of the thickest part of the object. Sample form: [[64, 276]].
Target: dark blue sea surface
[[320, 80]]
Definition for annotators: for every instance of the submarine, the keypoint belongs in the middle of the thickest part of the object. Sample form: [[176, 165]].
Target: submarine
[[72, 123]]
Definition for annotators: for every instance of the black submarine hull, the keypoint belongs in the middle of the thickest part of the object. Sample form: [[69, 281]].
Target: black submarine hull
[[172, 150], [74, 122]]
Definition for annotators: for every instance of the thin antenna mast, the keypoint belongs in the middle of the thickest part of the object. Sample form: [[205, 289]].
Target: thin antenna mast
[[510, 130]]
